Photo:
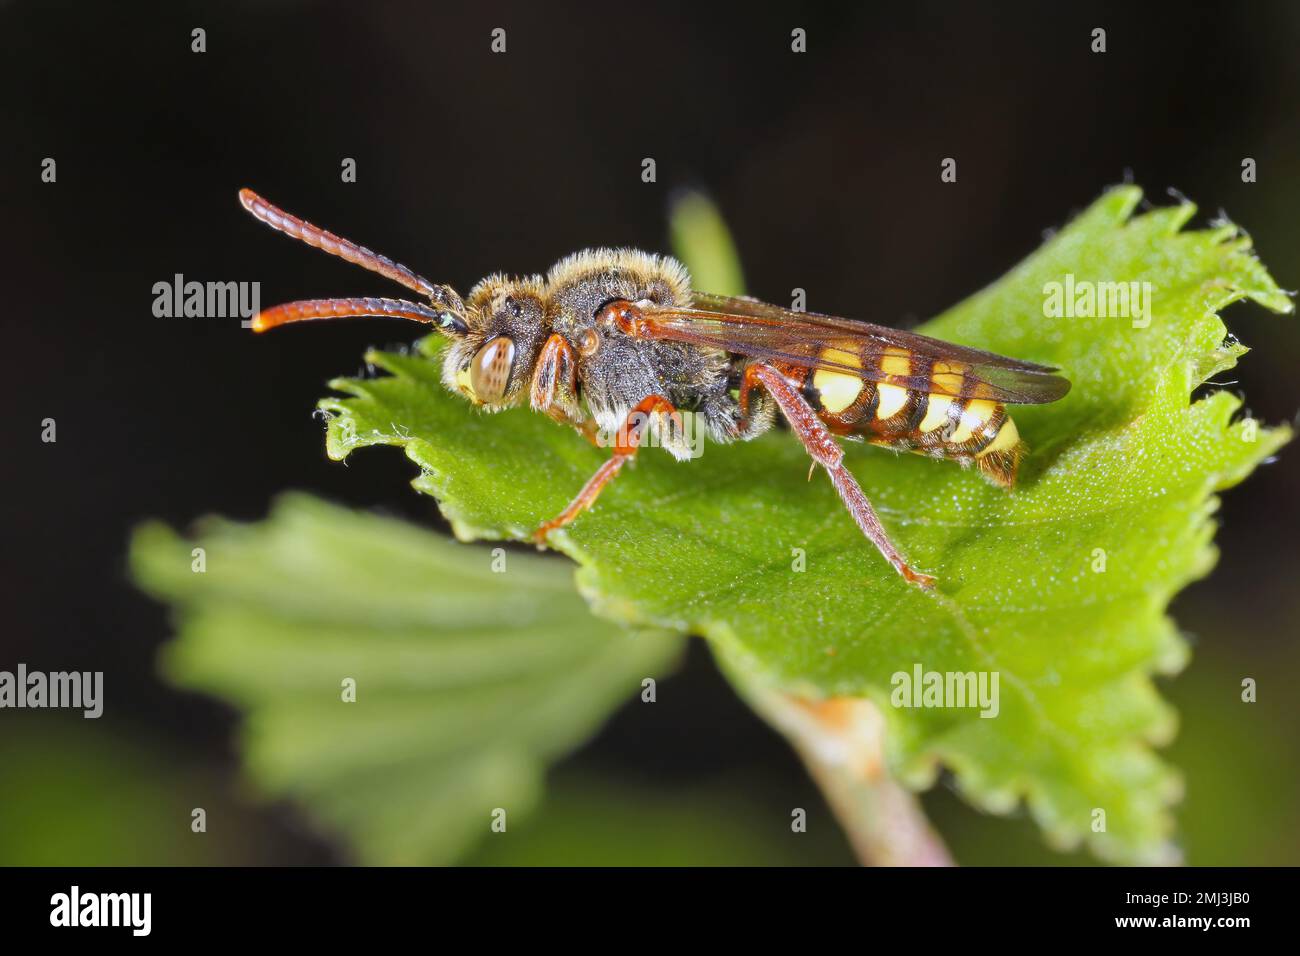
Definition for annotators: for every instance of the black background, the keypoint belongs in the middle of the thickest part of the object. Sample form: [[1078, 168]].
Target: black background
[[826, 166]]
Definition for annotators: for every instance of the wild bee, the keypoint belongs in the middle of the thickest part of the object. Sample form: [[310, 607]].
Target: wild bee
[[616, 340]]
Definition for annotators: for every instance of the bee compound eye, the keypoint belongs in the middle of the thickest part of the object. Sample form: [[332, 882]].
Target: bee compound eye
[[489, 372]]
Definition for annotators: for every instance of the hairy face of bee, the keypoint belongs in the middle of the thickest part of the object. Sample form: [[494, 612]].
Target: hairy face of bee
[[490, 364]]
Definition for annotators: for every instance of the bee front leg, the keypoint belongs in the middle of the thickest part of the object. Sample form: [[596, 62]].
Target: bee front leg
[[625, 449], [825, 451], [554, 388]]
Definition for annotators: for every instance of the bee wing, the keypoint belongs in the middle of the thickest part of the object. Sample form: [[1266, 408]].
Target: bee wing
[[770, 333]]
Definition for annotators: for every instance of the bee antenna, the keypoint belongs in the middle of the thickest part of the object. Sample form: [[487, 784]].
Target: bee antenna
[[443, 296], [357, 308]]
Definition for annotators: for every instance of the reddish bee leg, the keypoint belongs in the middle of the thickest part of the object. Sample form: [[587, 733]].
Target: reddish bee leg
[[555, 387], [827, 453], [625, 449], [750, 382]]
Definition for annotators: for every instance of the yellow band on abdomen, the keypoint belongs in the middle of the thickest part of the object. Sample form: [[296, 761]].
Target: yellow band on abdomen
[[836, 390], [892, 399], [936, 413], [1008, 437], [975, 415]]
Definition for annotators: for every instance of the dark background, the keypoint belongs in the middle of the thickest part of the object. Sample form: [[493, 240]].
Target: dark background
[[826, 166]]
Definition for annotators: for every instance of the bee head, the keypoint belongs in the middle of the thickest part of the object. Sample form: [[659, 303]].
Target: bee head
[[491, 362]]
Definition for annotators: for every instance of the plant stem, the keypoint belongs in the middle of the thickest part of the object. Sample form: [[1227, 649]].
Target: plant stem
[[840, 740]]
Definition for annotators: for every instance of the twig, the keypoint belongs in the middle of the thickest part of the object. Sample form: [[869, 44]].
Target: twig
[[840, 740]]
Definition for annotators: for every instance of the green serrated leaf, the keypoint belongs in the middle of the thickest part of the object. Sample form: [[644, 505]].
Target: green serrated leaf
[[468, 680], [1121, 476]]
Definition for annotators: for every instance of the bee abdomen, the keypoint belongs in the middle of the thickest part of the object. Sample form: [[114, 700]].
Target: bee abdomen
[[948, 422]]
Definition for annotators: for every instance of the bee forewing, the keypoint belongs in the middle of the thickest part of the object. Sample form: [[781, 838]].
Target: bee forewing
[[872, 352]]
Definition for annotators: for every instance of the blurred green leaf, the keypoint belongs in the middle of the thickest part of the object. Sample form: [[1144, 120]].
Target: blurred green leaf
[[1124, 467], [702, 240], [468, 680], [588, 820], [96, 793], [1239, 758]]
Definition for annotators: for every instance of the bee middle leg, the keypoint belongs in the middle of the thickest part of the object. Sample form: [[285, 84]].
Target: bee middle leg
[[625, 449], [825, 451]]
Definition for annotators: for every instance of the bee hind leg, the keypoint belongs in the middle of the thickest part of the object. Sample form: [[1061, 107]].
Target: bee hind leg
[[625, 449], [825, 451]]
